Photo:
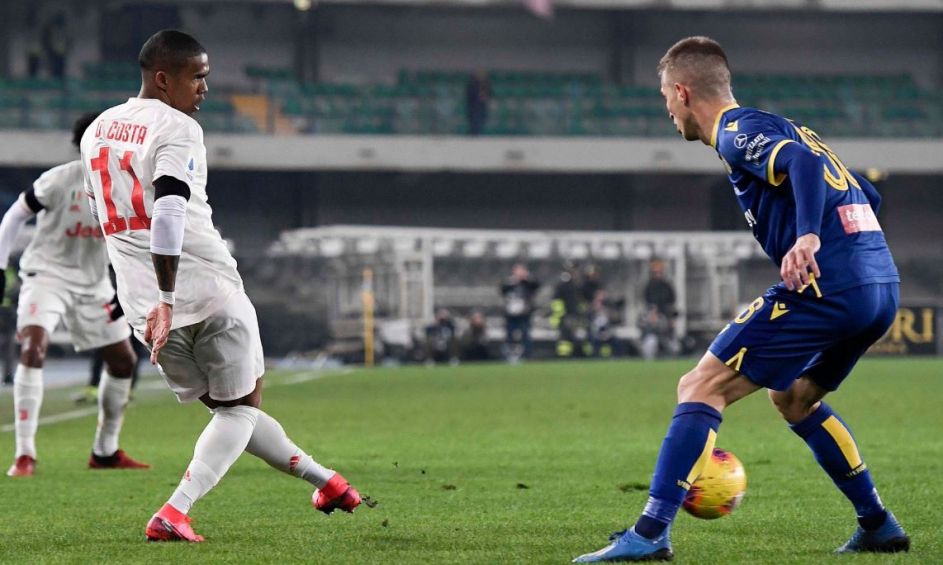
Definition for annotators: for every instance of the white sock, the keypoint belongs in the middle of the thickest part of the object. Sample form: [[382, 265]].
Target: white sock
[[27, 400], [218, 447], [270, 444], [112, 400]]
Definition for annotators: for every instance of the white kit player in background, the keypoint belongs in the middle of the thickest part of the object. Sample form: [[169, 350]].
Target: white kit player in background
[[145, 169], [65, 277]]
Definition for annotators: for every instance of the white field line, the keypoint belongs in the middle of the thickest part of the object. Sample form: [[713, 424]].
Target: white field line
[[159, 384]]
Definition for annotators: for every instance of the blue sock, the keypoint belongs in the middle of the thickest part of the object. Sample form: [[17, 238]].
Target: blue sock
[[836, 451], [683, 454]]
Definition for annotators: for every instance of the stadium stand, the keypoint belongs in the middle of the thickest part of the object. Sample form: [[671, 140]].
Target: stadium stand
[[431, 102]]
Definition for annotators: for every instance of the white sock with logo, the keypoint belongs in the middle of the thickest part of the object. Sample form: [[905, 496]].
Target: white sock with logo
[[270, 444], [27, 400], [112, 399], [221, 443]]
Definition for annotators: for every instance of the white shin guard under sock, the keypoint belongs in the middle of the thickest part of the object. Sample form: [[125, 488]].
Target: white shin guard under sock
[[220, 444], [112, 399], [27, 400], [270, 444]]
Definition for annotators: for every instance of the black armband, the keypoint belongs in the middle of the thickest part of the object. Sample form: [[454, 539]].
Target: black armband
[[32, 202], [170, 186]]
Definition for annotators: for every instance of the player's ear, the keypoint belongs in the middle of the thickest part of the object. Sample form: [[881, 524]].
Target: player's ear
[[160, 80], [683, 94]]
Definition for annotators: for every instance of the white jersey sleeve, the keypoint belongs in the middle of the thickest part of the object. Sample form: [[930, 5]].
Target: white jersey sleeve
[[47, 189], [175, 155]]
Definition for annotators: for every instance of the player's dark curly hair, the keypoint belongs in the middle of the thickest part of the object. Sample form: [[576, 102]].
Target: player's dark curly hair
[[80, 125], [168, 50]]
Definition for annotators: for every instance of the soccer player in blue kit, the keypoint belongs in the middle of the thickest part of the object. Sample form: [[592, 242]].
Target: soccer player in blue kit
[[839, 294]]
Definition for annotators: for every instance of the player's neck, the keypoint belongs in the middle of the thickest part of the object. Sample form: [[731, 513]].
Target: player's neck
[[707, 112], [153, 93]]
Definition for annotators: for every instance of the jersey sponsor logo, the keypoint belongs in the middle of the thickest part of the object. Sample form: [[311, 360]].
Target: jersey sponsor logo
[[779, 309], [756, 146], [122, 131], [81, 230], [741, 140], [858, 218], [190, 168], [751, 219], [75, 207]]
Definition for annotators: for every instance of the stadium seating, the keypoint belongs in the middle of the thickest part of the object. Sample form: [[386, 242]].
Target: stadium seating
[[432, 102]]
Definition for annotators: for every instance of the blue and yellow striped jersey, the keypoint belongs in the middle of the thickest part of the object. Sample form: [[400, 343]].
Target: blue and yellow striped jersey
[[854, 251]]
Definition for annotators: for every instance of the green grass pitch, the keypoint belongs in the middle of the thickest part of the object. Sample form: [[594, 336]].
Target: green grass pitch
[[534, 463]]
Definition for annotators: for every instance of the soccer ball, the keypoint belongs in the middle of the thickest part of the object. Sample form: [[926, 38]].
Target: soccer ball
[[719, 489]]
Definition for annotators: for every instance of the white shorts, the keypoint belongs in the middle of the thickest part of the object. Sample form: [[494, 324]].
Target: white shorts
[[222, 355], [87, 314]]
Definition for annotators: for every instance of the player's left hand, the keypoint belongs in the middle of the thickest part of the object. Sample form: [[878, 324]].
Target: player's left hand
[[800, 260], [157, 328]]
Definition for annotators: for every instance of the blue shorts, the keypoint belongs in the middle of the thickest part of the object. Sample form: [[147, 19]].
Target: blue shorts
[[784, 335]]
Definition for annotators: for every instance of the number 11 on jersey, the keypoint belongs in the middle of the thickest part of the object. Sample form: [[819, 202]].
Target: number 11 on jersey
[[116, 223]]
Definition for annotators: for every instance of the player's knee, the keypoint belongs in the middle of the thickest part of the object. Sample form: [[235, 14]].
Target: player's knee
[[33, 353], [122, 366], [792, 407], [120, 360], [694, 384]]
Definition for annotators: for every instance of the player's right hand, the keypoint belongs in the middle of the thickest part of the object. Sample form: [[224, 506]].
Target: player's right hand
[[157, 328], [800, 260]]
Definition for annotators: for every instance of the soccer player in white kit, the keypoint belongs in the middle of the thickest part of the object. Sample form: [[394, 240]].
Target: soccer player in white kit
[[145, 168], [65, 277]]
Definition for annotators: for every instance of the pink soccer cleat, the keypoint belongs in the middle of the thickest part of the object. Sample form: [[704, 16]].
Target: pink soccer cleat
[[337, 493], [118, 460], [24, 466], [170, 524]]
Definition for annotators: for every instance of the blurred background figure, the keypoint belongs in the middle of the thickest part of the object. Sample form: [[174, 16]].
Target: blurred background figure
[[656, 322], [56, 43], [659, 291], [568, 312], [603, 318], [477, 97], [441, 340], [518, 292], [474, 343]]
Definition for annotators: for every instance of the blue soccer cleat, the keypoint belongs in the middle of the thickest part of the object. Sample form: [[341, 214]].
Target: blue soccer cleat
[[630, 546], [889, 538]]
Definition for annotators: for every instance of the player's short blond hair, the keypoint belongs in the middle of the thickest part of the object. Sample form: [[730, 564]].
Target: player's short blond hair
[[700, 63]]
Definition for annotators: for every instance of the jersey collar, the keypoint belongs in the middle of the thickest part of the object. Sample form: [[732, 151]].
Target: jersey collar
[[720, 114]]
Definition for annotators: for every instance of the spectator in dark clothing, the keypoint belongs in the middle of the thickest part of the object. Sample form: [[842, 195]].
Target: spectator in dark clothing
[[475, 339], [441, 341], [659, 292], [657, 321], [568, 313], [56, 43], [477, 97], [518, 292]]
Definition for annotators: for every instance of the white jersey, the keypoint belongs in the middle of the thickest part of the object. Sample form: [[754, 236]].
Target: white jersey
[[123, 152], [67, 244]]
